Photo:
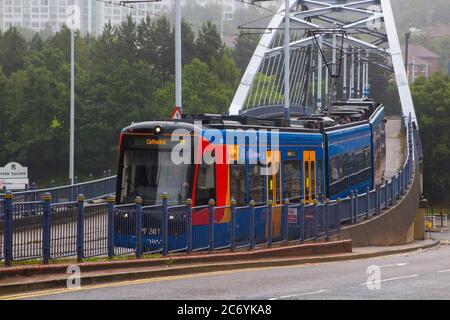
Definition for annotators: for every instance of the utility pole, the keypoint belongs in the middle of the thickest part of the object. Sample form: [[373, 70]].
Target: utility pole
[[178, 66], [72, 107], [221, 20], [287, 44], [407, 36], [73, 22]]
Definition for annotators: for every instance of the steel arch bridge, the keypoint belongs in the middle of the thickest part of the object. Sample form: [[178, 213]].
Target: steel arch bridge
[[333, 46]]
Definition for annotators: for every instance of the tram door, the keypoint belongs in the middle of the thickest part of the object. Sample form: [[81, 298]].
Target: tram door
[[273, 190], [309, 174]]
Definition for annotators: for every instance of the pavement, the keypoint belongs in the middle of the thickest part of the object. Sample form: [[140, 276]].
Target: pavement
[[395, 144], [328, 276]]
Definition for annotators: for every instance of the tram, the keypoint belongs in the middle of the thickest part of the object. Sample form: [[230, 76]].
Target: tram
[[323, 156]]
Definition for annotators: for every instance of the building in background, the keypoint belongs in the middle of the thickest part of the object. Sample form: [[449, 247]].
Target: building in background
[[421, 62], [44, 14]]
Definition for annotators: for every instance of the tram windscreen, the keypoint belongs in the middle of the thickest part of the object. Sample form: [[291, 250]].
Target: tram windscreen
[[150, 173]]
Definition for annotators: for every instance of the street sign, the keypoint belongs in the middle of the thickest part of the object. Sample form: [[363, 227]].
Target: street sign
[[292, 216], [13, 176], [176, 113], [73, 17]]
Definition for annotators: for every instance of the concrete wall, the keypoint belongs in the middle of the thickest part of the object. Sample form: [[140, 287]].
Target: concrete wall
[[391, 227]]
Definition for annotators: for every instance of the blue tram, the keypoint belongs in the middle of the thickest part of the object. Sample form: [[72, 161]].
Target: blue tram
[[205, 157]]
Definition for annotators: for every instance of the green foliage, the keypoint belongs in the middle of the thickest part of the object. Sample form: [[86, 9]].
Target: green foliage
[[13, 48], [203, 92], [432, 104], [268, 86], [124, 75], [245, 46]]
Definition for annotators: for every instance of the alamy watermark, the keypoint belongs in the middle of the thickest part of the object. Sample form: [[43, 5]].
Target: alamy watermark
[[236, 146], [74, 280]]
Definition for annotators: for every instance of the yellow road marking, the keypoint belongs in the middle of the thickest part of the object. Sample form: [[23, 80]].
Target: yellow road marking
[[135, 282]]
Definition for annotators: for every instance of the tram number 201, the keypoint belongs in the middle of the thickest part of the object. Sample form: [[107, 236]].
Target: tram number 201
[[151, 231]]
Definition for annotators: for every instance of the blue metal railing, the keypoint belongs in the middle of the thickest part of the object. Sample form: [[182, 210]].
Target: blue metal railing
[[91, 189], [42, 229]]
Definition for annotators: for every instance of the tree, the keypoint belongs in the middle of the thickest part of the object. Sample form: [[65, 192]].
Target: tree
[[202, 92], [432, 104], [104, 49], [209, 44], [225, 69], [244, 49], [13, 48], [163, 40], [127, 40]]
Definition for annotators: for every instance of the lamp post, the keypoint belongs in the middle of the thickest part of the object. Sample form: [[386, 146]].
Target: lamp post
[[178, 66], [287, 43], [73, 23], [407, 37]]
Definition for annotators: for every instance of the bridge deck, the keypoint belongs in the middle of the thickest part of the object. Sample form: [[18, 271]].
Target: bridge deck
[[395, 146]]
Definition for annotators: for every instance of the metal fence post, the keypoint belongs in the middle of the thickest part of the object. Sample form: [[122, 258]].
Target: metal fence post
[[302, 220], [393, 190], [400, 183], [315, 216], [356, 206], [8, 240], [189, 226], [269, 223], [46, 229], [339, 218], [367, 202], [80, 227], [252, 224], [165, 223], [352, 206], [211, 205], [111, 201], [386, 194], [327, 219], [233, 225], [285, 220], [376, 205]]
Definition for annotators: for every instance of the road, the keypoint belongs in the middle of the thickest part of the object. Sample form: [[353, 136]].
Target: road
[[421, 274]]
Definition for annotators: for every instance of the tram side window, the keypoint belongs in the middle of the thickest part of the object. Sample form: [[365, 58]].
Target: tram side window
[[344, 172], [292, 180], [334, 168], [237, 184], [206, 189], [255, 183]]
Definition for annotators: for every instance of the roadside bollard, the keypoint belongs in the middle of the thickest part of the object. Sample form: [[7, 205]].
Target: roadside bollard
[[252, 224], [269, 223], [80, 227], [233, 225], [165, 224], [189, 226], [111, 200], [211, 205]]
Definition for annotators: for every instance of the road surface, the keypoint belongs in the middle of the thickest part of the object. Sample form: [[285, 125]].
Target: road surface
[[423, 274]]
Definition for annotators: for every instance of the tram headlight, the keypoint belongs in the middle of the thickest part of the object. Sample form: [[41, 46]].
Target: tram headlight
[[158, 130]]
